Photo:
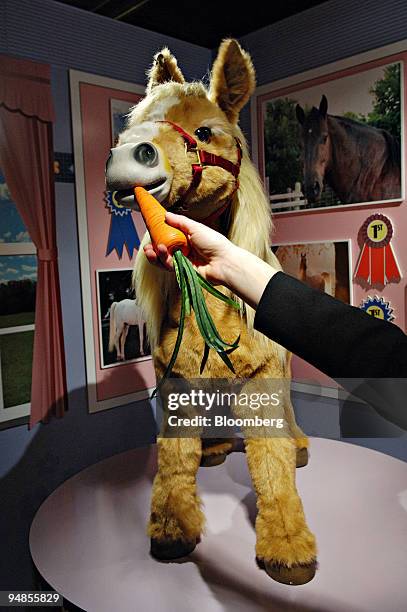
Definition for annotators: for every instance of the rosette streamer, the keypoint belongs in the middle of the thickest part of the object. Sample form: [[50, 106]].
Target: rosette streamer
[[122, 229], [377, 264]]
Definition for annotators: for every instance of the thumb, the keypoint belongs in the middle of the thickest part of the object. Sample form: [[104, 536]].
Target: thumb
[[181, 222]]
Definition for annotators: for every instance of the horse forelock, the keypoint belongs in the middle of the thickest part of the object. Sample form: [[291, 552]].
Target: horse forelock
[[156, 104]]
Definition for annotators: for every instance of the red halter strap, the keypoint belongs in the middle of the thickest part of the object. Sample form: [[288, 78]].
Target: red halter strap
[[204, 158]]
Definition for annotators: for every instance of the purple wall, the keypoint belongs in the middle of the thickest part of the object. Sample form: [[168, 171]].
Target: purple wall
[[324, 34]]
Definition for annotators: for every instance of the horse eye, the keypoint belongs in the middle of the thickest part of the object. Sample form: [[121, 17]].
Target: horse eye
[[324, 138], [204, 134]]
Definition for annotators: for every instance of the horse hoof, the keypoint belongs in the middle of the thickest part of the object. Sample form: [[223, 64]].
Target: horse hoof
[[294, 575], [302, 457], [212, 460], [167, 550]]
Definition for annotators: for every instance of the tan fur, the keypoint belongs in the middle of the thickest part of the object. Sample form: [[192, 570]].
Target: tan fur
[[164, 68], [216, 447], [282, 533], [176, 508], [281, 530], [250, 229], [233, 79]]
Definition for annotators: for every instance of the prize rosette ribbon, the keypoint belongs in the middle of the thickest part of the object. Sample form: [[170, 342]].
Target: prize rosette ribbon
[[122, 229], [377, 307], [377, 264]]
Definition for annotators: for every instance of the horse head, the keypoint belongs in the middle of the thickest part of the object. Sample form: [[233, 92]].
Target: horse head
[[182, 142], [317, 148]]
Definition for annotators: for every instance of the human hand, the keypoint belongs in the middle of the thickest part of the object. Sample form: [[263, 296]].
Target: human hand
[[211, 252]]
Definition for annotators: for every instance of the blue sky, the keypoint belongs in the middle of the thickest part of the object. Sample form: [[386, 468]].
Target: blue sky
[[17, 267], [12, 229]]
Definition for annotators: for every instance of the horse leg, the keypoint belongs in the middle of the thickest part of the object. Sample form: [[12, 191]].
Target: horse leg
[[285, 547], [117, 338], [176, 519], [123, 338], [300, 439]]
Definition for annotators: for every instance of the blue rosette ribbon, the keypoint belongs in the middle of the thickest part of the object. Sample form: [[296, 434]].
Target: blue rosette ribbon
[[122, 229]]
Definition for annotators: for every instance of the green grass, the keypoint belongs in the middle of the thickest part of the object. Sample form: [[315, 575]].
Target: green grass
[[20, 318], [16, 362]]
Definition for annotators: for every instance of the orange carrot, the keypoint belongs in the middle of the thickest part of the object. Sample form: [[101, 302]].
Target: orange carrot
[[154, 218]]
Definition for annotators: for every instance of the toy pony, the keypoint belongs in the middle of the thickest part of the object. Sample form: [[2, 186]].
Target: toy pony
[[182, 143]]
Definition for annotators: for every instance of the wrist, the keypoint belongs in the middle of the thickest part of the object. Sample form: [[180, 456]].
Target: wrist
[[233, 265], [247, 275]]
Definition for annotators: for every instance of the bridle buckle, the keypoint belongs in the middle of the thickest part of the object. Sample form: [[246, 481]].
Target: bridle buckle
[[194, 149]]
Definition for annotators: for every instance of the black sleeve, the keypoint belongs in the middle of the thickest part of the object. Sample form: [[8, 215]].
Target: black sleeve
[[340, 340]]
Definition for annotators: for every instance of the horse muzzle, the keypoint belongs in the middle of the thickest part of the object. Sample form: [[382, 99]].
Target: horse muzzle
[[313, 192], [137, 165]]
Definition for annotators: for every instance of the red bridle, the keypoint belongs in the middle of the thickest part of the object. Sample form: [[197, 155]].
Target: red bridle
[[204, 158]]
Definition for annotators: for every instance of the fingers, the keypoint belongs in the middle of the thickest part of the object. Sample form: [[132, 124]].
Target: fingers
[[164, 256], [161, 257], [183, 223]]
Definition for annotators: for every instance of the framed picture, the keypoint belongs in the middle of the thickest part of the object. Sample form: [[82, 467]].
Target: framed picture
[[325, 266], [334, 137], [321, 265], [122, 329], [97, 105], [118, 111]]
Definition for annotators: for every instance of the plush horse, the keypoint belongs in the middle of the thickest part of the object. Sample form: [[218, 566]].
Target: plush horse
[[183, 144]]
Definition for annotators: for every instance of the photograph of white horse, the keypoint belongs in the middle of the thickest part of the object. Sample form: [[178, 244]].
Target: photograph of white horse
[[122, 332], [122, 315]]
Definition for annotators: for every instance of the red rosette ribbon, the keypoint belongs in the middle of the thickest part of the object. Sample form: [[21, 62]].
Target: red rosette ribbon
[[377, 264]]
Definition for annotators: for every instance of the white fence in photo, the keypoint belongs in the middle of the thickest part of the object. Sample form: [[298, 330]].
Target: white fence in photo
[[292, 200]]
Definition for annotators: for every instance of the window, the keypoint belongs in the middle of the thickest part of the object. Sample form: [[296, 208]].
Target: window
[[18, 281]]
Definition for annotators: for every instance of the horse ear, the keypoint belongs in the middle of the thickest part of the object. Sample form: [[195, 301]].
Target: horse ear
[[299, 111], [323, 106], [233, 79], [164, 68]]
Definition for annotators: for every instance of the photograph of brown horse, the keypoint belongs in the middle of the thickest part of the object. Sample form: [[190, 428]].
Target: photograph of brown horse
[[336, 142], [359, 162]]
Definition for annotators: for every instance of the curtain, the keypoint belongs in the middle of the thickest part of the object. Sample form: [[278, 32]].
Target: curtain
[[26, 158]]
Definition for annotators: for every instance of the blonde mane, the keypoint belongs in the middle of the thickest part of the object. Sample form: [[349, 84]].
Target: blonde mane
[[250, 228]]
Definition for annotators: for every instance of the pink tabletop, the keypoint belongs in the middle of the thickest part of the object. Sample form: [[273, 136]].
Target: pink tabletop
[[88, 538]]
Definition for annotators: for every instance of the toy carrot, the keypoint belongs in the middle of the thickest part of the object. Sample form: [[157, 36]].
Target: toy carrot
[[189, 281], [154, 218]]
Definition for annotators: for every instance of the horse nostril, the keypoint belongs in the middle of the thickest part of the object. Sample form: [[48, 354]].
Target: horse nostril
[[146, 154], [317, 188]]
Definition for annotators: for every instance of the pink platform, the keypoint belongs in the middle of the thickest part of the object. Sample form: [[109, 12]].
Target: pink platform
[[88, 538]]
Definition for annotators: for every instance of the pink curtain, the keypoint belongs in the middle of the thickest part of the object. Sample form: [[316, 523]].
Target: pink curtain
[[26, 158]]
